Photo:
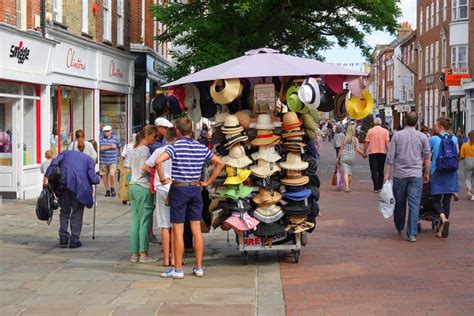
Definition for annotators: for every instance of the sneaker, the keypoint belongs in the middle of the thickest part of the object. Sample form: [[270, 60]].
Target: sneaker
[[172, 273], [134, 259], [63, 242], [107, 193], [112, 192], [412, 239], [75, 244], [472, 197], [199, 272], [147, 259]]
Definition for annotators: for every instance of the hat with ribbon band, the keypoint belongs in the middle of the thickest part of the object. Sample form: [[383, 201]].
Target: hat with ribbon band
[[268, 214], [294, 178], [309, 93], [265, 196], [241, 221], [265, 138], [231, 125]]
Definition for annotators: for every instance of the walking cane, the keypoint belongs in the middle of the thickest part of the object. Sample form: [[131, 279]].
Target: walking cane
[[95, 206]]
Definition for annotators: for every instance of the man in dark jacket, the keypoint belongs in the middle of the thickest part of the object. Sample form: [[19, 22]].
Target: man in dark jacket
[[78, 171]]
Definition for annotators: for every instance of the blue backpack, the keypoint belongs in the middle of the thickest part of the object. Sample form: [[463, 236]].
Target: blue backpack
[[447, 159]]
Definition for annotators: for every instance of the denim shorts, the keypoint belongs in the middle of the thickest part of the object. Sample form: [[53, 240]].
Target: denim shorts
[[185, 204]]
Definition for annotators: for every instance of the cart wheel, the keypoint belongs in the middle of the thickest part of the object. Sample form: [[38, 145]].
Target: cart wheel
[[244, 256], [124, 202], [419, 227], [304, 239], [296, 255]]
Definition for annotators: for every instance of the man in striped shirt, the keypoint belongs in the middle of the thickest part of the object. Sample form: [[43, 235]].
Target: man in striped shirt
[[188, 157]]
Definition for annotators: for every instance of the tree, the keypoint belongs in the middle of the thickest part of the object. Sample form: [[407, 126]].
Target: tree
[[211, 32]]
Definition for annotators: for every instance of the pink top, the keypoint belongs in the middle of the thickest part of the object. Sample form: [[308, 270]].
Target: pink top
[[377, 137]]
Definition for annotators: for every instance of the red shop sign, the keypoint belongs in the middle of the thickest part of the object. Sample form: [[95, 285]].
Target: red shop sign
[[74, 62], [114, 71]]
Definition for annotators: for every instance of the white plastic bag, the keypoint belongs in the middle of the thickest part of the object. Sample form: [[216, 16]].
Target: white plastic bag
[[387, 200]]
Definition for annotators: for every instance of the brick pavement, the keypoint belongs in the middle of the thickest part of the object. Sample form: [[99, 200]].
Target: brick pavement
[[355, 263]]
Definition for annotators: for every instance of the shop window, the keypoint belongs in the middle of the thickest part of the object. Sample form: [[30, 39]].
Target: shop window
[[78, 110], [113, 113], [65, 121], [89, 113], [29, 132], [6, 124]]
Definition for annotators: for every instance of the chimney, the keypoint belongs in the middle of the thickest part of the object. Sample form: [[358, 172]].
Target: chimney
[[404, 29]]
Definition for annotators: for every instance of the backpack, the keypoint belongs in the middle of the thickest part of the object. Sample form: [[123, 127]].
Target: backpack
[[46, 204], [447, 159]]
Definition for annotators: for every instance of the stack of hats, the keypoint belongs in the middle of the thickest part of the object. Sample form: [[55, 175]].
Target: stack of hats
[[233, 131], [293, 135]]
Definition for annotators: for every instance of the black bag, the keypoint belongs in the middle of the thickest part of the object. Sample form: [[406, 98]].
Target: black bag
[[46, 204], [56, 181]]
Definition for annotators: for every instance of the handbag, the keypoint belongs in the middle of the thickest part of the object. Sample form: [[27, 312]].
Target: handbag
[[334, 177]]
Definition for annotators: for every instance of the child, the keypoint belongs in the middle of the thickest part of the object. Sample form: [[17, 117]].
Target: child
[[45, 164]]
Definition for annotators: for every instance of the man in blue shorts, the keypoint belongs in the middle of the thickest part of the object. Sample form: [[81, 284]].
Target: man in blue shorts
[[188, 157], [108, 158]]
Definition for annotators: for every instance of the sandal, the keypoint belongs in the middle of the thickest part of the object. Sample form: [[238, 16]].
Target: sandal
[[445, 229]]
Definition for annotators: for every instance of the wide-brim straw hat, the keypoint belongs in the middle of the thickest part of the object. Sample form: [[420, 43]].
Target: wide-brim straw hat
[[291, 121], [359, 108], [230, 89], [266, 197], [294, 178], [264, 169], [244, 118], [293, 162], [220, 118], [236, 192], [241, 221], [293, 133], [192, 101], [267, 153], [236, 175], [232, 140], [269, 229], [237, 158], [264, 121], [231, 125], [265, 138], [309, 93], [268, 214], [299, 224]]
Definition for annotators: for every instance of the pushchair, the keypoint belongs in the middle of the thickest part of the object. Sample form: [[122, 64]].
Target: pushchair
[[427, 210]]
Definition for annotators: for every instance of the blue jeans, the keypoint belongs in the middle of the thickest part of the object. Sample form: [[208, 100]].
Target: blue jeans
[[407, 189]]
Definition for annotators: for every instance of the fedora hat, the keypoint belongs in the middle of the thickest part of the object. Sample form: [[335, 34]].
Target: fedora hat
[[293, 101], [359, 108], [234, 139], [241, 221], [270, 183], [335, 83], [294, 178], [267, 153], [237, 157], [293, 162], [160, 104], [298, 195], [265, 196], [244, 118], [240, 205], [264, 169], [340, 112], [236, 175], [327, 99], [192, 101], [231, 125], [264, 121], [293, 134], [265, 138], [269, 229], [293, 141], [235, 192], [268, 214], [291, 121], [208, 107], [357, 84], [309, 93], [301, 208], [299, 224], [220, 118], [225, 91]]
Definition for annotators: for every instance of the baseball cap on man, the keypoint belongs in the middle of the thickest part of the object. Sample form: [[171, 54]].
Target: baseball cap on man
[[107, 128], [161, 121]]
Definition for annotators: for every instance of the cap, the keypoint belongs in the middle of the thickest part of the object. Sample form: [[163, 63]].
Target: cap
[[107, 128], [161, 121]]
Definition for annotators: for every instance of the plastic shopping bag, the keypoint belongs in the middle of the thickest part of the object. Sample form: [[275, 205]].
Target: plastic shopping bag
[[387, 200]]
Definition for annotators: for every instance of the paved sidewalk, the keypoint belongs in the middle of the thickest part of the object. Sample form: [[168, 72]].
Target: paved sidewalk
[[355, 263], [38, 278]]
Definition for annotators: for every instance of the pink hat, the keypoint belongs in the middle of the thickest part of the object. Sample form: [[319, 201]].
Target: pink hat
[[180, 94], [356, 85], [241, 221], [335, 83]]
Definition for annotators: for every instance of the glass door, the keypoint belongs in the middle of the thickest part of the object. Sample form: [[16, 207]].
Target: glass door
[[9, 143]]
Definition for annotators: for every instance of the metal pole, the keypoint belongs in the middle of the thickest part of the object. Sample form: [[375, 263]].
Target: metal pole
[[95, 207]]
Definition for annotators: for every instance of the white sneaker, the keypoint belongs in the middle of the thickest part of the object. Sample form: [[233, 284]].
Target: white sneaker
[[472, 197], [199, 272], [172, 273]]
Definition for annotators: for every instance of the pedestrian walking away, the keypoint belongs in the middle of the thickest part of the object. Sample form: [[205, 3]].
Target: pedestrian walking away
[[338, 139], [80, 144], [444, 172], [467, 155], [409, 150], [376, 146], [188, 157], [347, 156], [109, 152], [78, 171]]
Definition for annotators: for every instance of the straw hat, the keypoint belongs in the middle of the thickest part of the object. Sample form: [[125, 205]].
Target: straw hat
[[236, 175], [220, 118], [265, 138], [264, 169], [231, 125], [266, 197], [267, 153], [237, 157], [294, 133], [268, 214], [309, 93], [359, 108], [241, 221], [236, 191], [264, 121], [234, 139], [291, 121], [294, 178], [294, 162], [244, 119], [293, 141], [192, 101], [340, 112], [299, 224], [230, 89]]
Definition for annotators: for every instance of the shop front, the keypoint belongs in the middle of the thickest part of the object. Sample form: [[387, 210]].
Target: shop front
[[24, 83]]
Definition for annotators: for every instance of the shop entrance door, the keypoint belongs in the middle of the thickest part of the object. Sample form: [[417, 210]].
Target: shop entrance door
[[10, 167]]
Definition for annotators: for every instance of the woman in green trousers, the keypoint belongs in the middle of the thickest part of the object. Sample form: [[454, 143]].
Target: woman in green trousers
[[141, 199]]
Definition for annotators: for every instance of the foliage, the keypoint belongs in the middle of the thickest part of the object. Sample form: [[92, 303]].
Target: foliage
[[207, 33]]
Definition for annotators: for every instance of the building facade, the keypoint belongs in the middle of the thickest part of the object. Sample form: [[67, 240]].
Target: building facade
[[65, 66]]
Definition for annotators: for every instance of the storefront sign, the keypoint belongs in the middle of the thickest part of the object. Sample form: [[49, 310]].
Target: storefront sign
[[115, 69], [388, 112], [74, 62], [154, 67], [19, 52], [454, 76], [77, 61]]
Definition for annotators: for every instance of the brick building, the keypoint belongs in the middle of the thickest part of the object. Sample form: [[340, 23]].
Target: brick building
[[65, 65]]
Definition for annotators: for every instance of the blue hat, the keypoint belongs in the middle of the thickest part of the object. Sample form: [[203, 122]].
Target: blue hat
[[297, 196]]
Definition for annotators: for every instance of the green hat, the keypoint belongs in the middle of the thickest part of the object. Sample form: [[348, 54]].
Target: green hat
[[293, 101], [236, 191]]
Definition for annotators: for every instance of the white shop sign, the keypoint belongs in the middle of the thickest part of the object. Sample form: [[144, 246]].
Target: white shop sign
[[24, 52], [115, 70], [74, 60]]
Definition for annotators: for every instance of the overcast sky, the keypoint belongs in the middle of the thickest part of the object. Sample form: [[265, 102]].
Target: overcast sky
[[354, 55]]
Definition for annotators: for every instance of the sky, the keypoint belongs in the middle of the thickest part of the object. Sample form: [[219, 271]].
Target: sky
[[351, 54]]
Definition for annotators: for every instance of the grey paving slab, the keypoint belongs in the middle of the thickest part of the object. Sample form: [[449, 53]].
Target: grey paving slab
[[136, 309], [95, 310], [56, 310], [207, 309], [227, 295]]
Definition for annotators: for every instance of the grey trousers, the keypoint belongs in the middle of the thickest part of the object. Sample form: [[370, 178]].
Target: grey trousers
[[469, 173], [71, 214]]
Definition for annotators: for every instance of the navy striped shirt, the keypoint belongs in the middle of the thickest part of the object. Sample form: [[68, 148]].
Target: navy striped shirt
[[188, 157], [109, 156]]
